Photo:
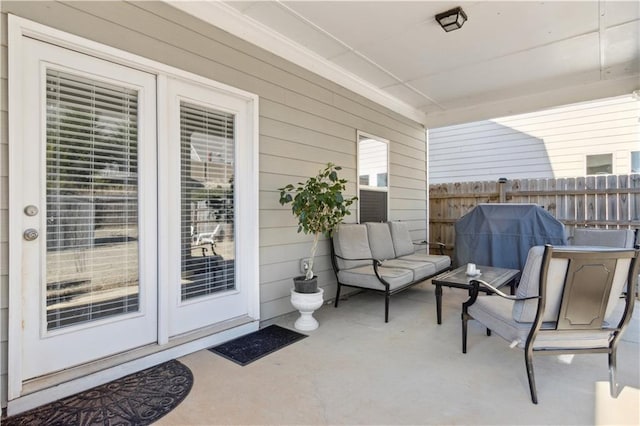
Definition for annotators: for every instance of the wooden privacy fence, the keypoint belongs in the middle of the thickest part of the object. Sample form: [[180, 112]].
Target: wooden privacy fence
[[606, 201]]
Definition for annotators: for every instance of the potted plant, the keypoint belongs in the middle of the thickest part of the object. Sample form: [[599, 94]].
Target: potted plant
[[319, 206]]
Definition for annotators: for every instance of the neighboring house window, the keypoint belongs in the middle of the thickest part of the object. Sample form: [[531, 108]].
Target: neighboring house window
[[635, 161], [373, 178], [600, 164]]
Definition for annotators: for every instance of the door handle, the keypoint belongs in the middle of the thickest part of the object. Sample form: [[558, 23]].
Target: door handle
[[30, 234]]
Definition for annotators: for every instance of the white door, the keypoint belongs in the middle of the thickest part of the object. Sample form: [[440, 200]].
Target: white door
[[88, 192], [207, 135]]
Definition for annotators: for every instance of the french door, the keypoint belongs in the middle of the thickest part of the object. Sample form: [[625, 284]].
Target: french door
[[207, 134], [87, 181], [133, 190]]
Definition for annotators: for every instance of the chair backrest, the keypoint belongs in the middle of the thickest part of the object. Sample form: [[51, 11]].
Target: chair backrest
[[208, 237], [351, 240], [579, 287], [604, 237], [402, 242], [591, 288]]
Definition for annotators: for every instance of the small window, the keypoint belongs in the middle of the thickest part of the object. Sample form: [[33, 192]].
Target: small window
[[373, 165], [372, 162], [600, 164], [382, 180], [635, 161]]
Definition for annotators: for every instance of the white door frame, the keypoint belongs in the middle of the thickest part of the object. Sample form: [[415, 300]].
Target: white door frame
[[18, 28]]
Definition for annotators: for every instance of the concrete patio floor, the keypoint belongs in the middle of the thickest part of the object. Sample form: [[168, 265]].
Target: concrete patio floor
[[355, 369]]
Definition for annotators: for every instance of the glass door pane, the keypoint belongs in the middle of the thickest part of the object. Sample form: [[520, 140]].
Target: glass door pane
[[207, 165], [92, 193]]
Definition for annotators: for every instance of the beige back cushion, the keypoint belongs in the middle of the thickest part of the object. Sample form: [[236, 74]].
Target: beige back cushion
[[350, 240], [380, 240], [604, 237], [525, 311], [402, 243]]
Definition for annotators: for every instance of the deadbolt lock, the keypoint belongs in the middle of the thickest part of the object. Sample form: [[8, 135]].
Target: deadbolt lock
[[31, 210]]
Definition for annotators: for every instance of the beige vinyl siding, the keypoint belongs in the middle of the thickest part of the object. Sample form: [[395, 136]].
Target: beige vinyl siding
[[304, 122], [546, 144]]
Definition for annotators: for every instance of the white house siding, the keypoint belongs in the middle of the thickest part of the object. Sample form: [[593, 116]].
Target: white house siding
[[547, 144], [305, 121]]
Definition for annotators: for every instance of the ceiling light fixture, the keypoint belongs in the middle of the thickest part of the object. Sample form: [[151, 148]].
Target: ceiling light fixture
[[451, 19]]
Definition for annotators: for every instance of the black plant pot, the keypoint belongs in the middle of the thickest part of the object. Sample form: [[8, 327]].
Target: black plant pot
[[303, 285]]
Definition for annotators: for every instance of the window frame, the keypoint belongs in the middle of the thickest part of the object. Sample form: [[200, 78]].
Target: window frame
[[586, 162], [361, 135], [633, 169]]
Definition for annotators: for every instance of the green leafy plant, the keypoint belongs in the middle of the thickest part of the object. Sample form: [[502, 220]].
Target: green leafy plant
[[318, 204]]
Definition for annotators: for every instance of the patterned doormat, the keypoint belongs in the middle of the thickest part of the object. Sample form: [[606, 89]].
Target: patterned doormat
[[137, 399], [253, 346]]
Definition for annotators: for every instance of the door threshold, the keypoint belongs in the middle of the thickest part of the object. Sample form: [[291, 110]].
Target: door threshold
[[45, 389]]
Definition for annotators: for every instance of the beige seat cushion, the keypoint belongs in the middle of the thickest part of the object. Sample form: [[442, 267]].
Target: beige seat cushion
[[495, 313], [420, 270], [364, 276], [440, 262]]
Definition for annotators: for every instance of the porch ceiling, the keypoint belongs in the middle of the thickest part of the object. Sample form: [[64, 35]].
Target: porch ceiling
[[509, 57]]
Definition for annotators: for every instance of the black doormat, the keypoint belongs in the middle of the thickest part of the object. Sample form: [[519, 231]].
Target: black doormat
[[137, 399], [253, 346]]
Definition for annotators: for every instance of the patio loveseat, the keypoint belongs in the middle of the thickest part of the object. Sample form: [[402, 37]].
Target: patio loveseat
[[381, 257]]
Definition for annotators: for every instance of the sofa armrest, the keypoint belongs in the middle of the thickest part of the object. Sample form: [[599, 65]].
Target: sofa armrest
[[376, 262], [438, 245]]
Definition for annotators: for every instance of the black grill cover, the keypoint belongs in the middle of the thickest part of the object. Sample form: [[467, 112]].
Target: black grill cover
[[502, 234]]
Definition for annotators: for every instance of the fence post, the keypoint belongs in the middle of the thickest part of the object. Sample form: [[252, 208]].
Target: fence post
[[503, 195]]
